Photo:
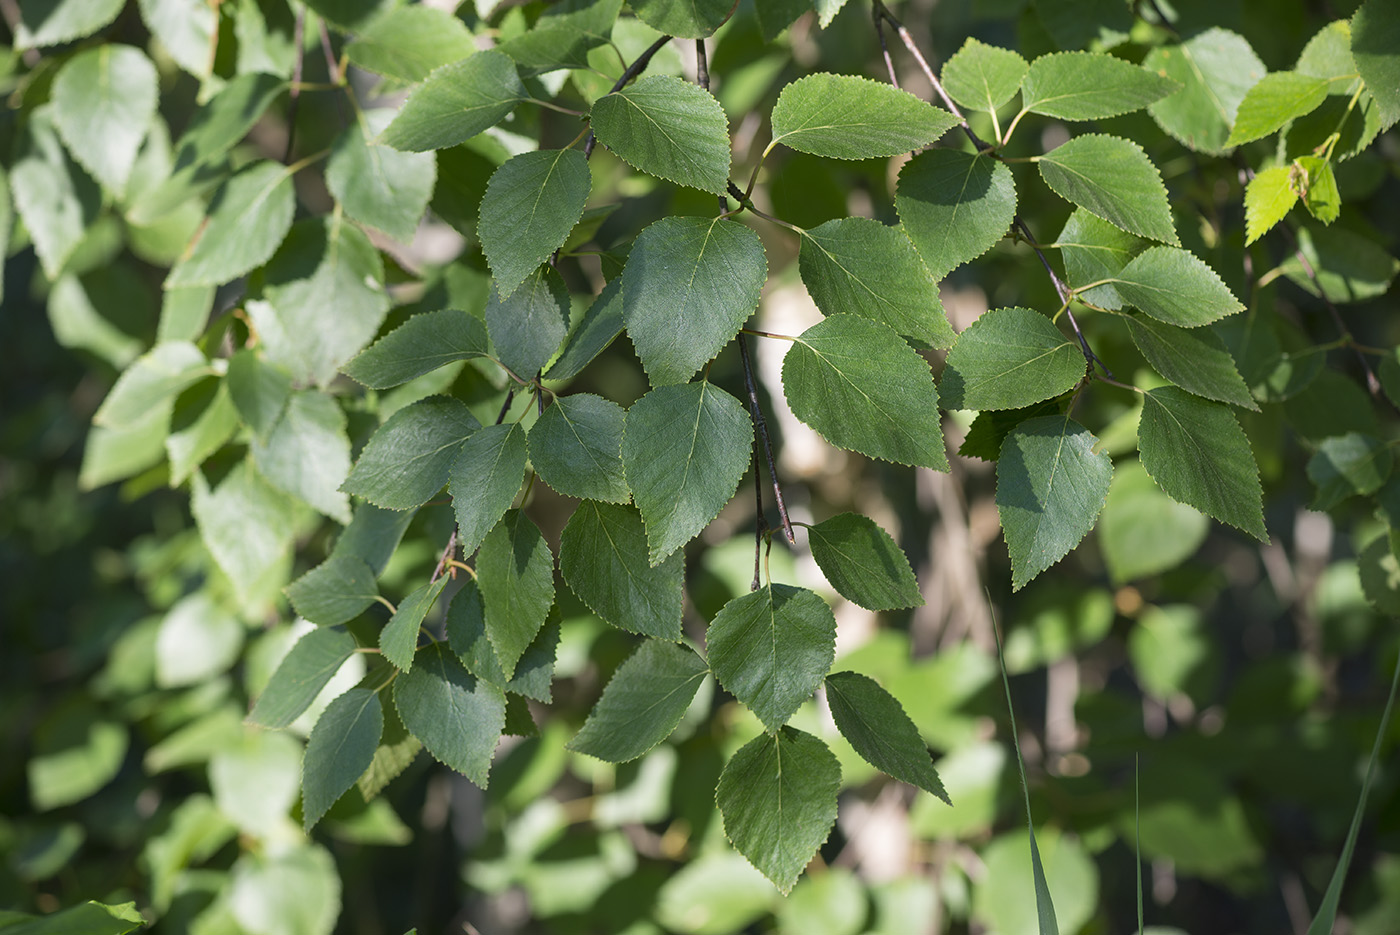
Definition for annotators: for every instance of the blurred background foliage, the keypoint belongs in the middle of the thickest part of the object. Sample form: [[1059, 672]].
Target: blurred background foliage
[[1236, 687]]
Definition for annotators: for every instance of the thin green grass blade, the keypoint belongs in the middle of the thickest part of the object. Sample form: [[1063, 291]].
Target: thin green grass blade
[[1327, 913], [1044, 907]]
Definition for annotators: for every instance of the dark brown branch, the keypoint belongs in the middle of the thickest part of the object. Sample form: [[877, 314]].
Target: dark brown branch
[[447, 554], [760, 528], [633, 70], [702, 78], [884, 46], [505, 407], [762, 426]]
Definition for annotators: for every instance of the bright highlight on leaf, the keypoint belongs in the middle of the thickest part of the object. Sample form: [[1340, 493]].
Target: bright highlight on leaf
[[1175, 287], [377, 184], [1277, 98], [847, 117], [248, 218], [1215, 68], [668, 128], [104, 99], [1268, 198]]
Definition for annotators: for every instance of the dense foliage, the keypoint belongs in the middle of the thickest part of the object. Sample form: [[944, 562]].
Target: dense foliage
[[564, 466]]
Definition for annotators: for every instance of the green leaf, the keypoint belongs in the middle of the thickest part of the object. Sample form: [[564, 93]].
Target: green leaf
[[771, 648], [456, 102], [376, 184], [1195, 360], [89, 918], [601, 324], [693, 20], [408, 42], [1009, 358], [1216, 68], [420, 345], [153, 380], [248, 218], [576, 447], [407, 460], [52, 22], [350, 15], [340, 749], [689, 285], [1073, 24], [458, 717], [777, 15], [848, 117], [863, 388], [669, 128], [399, 638], [1347, 465], [112, 454], [1198, 455], [104, 99], [291, 891], [1276, 99], [299, 678], [1051, 484], [484, 480], [1112, 178], [954, 206], [323, 298], [1143, 532], [989, 430], [55, 198], [859, 266], [1268, 197], [1318, 186], [528, 326], [1375, 37], [531, 204], [515, 572], [466, 633], [563, 36], [197, 640], [76, 751], [876, 725], [863, 564], [1348, 266], [260, 391], [1090, 86], [603, 557], [373, 535], [337, 590], [1175, 287], [195, 438], [1093, 250], [684, 449], [246, 524], [307, 453], [778, 798], [983, 77], [642, 703]]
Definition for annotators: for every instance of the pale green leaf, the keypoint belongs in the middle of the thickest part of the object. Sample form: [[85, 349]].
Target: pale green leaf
[[198, 639], [778, 798], [1268, 197], [337, 590], [983, 77], [1051, 484], [1143, 532], [691, 20], [399, 638], [407, 460], [112, 454], [323, 298], [484, 480], [771, 648], [266, 36], [603, 557], [458, 717], [54, 197], [340, 749], [1215, 68], [99, 312], [76, 750], [876, 725], [260, 391], [1111, 178], [1348, 266], [863, 563], [1197, 453], [408, 42], [199, 427], [1175, 287], [52, 22], [307, 453], [104, 99], [528, 326], [515, 572], [291, 891], [1375, 45], [377, 184], [576, 447], [246, 524], [456, 102], [184, 313], [1276, 99], [185, 30], [89, 918], [1346, 466], [248, 218], [954, 206], [862, 267], [669, 128], [848, 117], [1090, 86], [1093, 250], [420, 345], [827, 10], [1317, 185], [530, 205], [689, 285], [684, 449], [466, 634], [153, 380], [1009, 358], [1194, 359], [863, 388], [642, 703], [601, 324]]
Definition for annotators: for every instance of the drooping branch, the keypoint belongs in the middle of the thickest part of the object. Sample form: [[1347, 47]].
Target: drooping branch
[[761, 425], [632, 71]]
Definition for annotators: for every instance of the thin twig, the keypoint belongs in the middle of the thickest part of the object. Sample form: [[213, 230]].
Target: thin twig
[[632, 71], [333, 69], [762, 425], [760, 528], [884, 46], [1065, 294], [298, 31], [447, 554], [702, 78], [505, 407]]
